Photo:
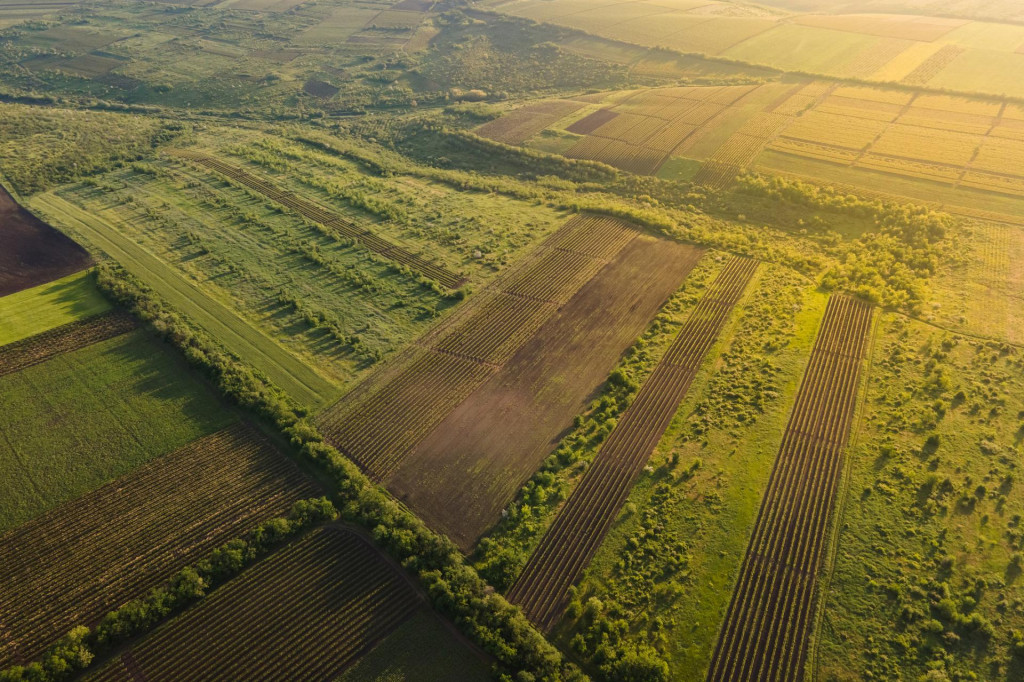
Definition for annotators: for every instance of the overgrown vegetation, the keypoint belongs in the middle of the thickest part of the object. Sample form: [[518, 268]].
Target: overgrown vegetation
[[927, 578]]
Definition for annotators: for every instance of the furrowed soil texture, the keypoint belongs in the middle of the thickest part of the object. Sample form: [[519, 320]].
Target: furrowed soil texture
[[32, 252], [307, 612], [577, 533], [87, 557], [461, 476], [766, 630]]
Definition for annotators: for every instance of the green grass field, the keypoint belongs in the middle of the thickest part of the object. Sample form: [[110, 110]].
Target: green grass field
[[927, 574], [86, 417], [300, 381], [50, 305]]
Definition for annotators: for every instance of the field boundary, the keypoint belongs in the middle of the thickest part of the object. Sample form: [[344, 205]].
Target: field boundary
[[40, 347], [583, 521], [764, 634], [236, 333]]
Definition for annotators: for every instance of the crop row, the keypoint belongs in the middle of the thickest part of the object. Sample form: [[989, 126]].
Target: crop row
[[309, 210], [41, 347], [910, 167], [930, 68], [994, 183], [765, 632], [380, 429], [577, 532], [716, 174], [305, 613], [77, 562], [523, 123], [814, 150]]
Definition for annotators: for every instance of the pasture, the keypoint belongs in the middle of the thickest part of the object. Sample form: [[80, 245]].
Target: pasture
[[43, 307]]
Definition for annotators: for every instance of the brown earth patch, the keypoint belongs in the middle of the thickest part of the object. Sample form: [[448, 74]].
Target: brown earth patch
[[32, 252], [461, 476]]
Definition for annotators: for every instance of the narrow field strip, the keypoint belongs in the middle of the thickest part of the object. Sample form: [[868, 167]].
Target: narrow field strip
[[72, 336], [306, 613], [239, 336], [766, 629], [74, 564], [312, 211], [384, 426], [574, 537]]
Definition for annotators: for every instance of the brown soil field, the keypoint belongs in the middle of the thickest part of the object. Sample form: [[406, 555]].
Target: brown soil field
[[32, 252], [72, 565], [460, 477]]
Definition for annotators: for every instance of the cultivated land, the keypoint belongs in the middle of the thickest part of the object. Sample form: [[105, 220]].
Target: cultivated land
[[483, 451], [88, 416], [469, 240], [314, 608], [34, 252], [92, 554], [46, 306], [582, 523]]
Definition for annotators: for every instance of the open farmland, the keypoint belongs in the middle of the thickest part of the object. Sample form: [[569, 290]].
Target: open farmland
[[33, 252], [41, 308], [580, 527], [90, 415], [767, 629], [419, 439], [41, 347], [302, 382], [133, 533], [307, 612]]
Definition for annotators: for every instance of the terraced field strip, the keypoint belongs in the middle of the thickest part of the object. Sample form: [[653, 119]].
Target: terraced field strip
[[305, 613], [316, 213], [77, 562], [765, 632], [239, 336], [41, 347], [381, 428], [577, 532]]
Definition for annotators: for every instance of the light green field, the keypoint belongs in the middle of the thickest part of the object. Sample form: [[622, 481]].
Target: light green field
[[420, 650], [84, 418], [301, 382], [33, 311], [705, 517]]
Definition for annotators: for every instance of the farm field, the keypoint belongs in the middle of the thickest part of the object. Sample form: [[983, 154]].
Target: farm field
[[36, 310], [34, 253], [671, 559], [471, 464], [766, 631], [302, 382], [581, 525], [133, 533], [118, 403], [629, 340], [348, 594]]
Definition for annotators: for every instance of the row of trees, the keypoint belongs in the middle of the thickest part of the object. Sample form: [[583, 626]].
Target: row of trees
[[453, 586], [80, 647]]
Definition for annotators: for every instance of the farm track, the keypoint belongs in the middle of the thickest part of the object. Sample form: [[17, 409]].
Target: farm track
[[380, 429], [36, 349], [305, 613], [766, 629], [312, 211], [75, 563], [577, 532]]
